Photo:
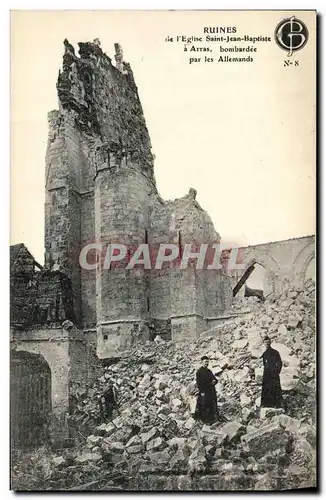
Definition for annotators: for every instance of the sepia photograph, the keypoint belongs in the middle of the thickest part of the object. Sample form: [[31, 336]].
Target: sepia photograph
[[163, 250]]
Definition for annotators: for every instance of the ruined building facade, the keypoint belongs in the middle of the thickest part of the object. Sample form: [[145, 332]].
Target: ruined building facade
[[100, 188]]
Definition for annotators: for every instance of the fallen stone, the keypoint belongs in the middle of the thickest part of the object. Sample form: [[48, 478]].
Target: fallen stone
[[190, 423], [135, 449], [244, 400], [282, 330], [146, 381], [123, 434], [242, 375], [106, 429], [266, 482], [270, 412], [217, 369], [265, 320], [176, 403], [118, 422], [303, 454], [160, 385], [232, 430], [259, 372], [290, 424], [309, 433], [293, 321], [254, 338], [165, 409], [191, 403], [116, 446], [197, 465], [126, 413], [224, 362], [274, 457], [88, 457], [176, 441], [155, 444], [302, 388], [93, 440], [134, 440], [240, 344], [251, 428], [258, 402], [191, 389], [159, 457], [58, 461], [246, 414], [184, 483], [148, 436], [179, 459], [267, 438], [288, 382]]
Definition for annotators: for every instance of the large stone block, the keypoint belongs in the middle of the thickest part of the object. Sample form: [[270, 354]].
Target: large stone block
[[265, 439]]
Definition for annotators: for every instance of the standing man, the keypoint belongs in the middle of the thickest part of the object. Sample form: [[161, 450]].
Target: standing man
[[206, 409], [108, 400], [271, 394]]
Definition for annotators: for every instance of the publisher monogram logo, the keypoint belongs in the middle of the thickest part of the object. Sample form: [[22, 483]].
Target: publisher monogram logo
[[291, 35]]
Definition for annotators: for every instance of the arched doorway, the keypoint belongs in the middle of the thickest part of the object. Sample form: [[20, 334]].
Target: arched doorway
[[261, 273], [30, 399], [260, 279]]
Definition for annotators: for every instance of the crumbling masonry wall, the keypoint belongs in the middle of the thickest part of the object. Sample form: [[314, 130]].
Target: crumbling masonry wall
[[287, 262], [100, 187]]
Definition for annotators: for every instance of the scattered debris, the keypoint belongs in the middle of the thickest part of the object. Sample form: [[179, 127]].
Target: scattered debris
[[153, 432]]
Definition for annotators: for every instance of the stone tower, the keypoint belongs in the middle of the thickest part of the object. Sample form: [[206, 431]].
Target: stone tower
[[100, 187]]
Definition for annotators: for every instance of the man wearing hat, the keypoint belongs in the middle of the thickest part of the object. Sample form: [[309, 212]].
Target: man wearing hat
[[271, 394], [206, 409]]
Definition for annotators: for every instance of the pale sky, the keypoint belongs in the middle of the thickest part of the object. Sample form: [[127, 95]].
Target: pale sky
[[241, 134]]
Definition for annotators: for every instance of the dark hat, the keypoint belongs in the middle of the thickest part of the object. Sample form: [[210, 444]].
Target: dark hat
[[204, 357]]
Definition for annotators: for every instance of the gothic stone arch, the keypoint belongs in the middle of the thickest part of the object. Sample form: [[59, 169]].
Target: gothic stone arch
[[254, 256], [30, 399], [301, 263], [56, 355]]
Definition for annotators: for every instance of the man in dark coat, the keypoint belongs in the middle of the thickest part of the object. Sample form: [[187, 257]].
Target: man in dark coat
[[271, 394], [206, 409], [108, 400]]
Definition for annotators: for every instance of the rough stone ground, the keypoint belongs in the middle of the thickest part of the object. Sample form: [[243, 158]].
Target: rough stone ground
[[153, 443]]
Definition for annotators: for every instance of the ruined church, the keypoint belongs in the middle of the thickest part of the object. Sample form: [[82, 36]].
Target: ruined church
[[100, 187]]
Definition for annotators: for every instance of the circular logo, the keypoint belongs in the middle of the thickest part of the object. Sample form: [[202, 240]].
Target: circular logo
[[291, 35]]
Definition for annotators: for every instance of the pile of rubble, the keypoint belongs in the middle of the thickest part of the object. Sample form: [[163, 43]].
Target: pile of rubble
[[154, 443]]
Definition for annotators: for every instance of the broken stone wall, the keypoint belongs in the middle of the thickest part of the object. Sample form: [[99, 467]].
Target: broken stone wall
[[287, 262], [22, 289], [63, 202], [101, 187], [51, 344], [70, 360], [159, 293], [122, 196], [40, 298], [88, 277]]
